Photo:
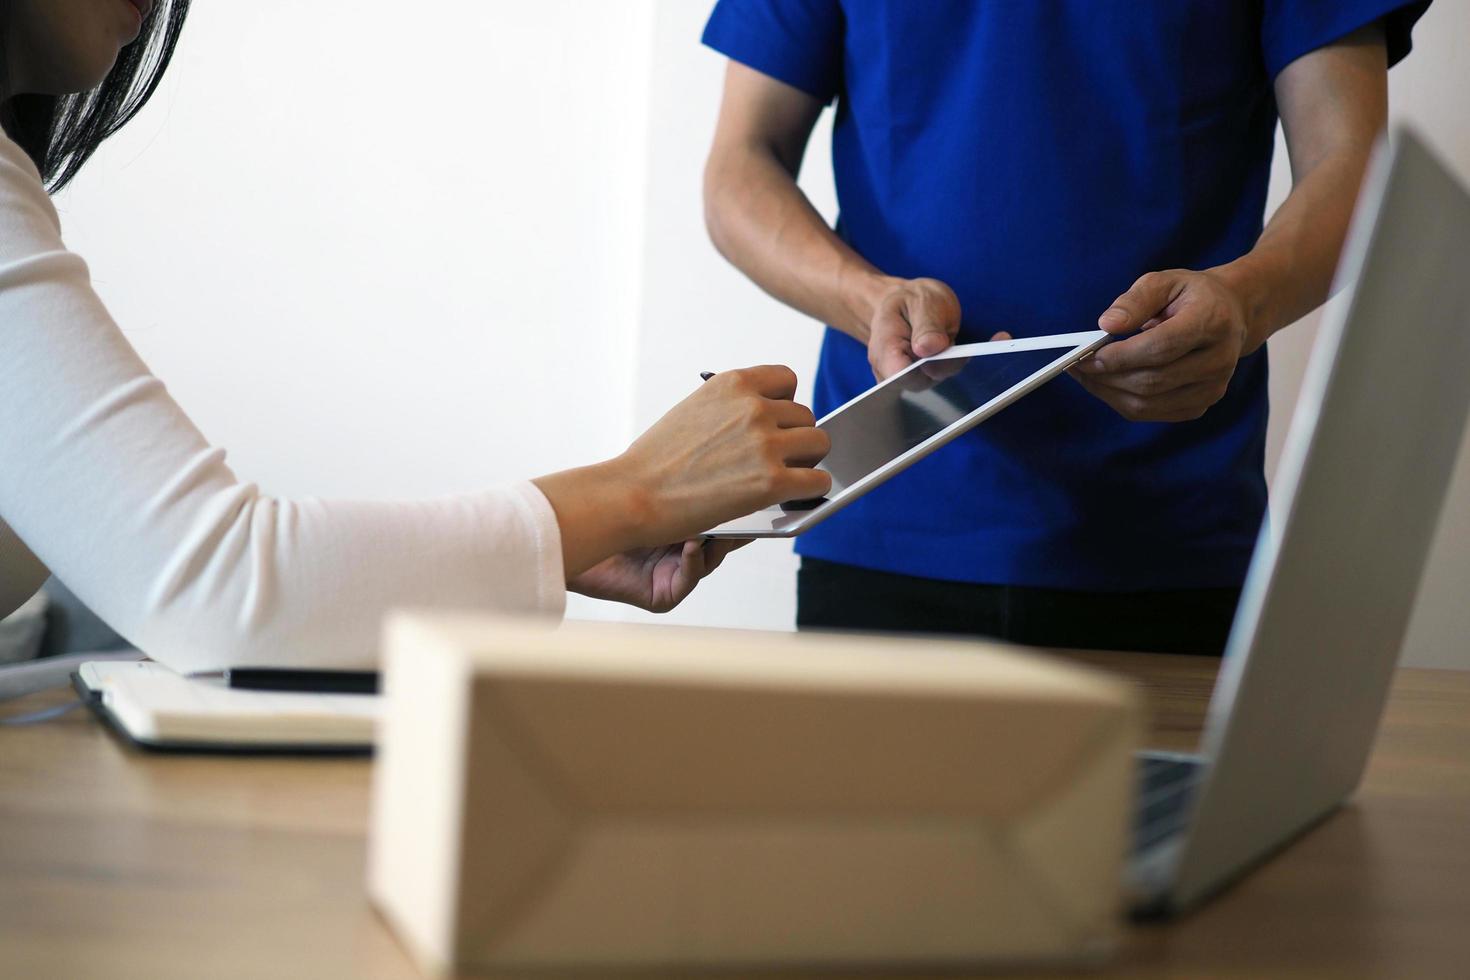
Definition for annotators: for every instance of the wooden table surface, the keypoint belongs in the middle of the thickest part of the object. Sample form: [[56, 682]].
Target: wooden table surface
[[120, 864]]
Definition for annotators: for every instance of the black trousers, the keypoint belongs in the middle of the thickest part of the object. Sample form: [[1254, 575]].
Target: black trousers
[[831, 596]]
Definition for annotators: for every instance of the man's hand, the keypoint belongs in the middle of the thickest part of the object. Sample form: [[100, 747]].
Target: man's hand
[[656, 579], [912, 318], [1192, 329], [1197, 325]]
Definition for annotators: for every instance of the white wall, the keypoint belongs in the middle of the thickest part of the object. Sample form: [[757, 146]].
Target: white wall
[[363, 247], [385, 250]]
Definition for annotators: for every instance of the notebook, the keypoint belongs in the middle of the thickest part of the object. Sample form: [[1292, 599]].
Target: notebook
[[156, 708]]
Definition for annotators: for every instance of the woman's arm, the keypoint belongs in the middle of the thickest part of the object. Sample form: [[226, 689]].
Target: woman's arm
[[105, 478], [111, 485]]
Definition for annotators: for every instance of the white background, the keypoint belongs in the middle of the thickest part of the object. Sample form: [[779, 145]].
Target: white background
[[387, 250]]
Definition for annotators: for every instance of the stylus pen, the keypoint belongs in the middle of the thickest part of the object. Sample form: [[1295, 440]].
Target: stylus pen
[[312, 681]]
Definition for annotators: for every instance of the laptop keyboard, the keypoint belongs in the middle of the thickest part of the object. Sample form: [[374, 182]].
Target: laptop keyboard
[[1166, 788]]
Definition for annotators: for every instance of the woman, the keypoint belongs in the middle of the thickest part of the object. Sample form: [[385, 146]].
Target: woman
[[106, 483]]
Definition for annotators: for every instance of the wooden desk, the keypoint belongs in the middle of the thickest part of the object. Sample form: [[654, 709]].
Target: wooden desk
[[119, 864]]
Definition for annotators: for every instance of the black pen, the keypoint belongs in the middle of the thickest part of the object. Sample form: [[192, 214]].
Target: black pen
[[304, 681]]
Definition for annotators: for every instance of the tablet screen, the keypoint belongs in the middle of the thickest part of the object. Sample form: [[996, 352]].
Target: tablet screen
[[890, 420]]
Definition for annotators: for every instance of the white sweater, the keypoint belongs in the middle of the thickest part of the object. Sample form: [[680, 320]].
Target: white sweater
[[106, 482]]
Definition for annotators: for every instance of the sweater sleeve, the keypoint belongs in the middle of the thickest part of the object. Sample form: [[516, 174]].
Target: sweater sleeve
[[107, 481]]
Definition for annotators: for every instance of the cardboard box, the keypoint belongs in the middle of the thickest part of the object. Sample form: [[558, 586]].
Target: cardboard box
[[606, 795]]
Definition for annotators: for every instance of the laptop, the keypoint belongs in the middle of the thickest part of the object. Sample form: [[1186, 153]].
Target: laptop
[[1332, 582]]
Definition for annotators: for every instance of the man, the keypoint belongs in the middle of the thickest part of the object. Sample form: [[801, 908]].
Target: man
[[1009, 166]]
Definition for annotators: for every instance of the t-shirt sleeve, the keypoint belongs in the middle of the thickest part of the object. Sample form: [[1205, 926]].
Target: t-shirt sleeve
[[799, 42], [1292, 28]]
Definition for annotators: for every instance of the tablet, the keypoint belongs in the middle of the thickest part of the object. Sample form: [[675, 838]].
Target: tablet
[[904, 418]]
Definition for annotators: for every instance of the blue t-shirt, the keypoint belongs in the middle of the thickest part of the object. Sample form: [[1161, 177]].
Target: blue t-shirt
[[1038, 158]]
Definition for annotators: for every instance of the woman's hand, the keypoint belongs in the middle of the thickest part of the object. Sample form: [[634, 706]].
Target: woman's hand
[[737, 444], [656, 579]]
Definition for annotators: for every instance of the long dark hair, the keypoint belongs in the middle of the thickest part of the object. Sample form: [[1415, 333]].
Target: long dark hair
[[59, 132]]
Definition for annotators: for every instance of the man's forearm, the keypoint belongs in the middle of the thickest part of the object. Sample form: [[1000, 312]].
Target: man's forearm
[[1334, 103], [1289, 272], [760, 221]]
